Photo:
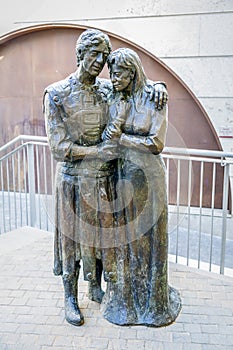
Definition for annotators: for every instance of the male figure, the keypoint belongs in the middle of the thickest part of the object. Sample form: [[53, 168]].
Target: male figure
[[76, 114]]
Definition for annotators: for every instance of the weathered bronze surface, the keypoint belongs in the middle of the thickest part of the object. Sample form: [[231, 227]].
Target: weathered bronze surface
[[141, 294], [102, 143]]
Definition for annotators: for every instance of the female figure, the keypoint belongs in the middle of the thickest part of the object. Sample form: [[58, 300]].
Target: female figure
[[141, 294]]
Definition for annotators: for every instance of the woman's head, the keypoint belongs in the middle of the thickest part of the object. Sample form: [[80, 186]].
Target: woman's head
[[126, 70]]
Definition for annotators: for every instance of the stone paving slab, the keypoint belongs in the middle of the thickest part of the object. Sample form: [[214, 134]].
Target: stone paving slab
[[32, 314]]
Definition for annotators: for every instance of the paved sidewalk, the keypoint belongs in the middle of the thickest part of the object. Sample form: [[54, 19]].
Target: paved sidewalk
[[32, 314]]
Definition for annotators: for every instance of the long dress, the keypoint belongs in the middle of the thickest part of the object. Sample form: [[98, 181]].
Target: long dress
[[142, 295]]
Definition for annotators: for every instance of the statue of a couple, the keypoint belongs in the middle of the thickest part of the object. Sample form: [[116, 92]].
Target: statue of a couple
[[111, 199]]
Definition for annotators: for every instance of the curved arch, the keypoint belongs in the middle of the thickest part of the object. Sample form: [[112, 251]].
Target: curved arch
[[34, 57], [184, 108]]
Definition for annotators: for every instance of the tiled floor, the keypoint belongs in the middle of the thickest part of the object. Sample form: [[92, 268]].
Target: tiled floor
[[32, 314]]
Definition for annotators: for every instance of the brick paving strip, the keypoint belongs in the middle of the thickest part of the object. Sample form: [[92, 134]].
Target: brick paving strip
[[32, 314]]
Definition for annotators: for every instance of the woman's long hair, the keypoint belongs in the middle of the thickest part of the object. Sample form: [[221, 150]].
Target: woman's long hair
[[129, 59]]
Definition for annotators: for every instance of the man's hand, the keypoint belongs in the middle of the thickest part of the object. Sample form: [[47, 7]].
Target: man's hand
[[158, 93], [108, 150]]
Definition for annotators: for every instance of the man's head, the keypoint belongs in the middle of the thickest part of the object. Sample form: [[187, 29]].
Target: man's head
[[92, 50]]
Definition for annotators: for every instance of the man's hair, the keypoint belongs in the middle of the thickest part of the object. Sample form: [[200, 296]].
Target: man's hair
[[89, 38]]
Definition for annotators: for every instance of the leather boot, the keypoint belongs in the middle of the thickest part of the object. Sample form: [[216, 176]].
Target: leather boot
[[95, 291], [73, 314]]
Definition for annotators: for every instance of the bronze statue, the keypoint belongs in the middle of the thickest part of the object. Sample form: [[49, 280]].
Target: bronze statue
[[76, 114], [141, 294]]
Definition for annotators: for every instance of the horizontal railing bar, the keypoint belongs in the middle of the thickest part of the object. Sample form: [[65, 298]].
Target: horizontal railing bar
[[197, 152], [23, 138], [197, 159], [171, 150], [20, 147], [165, 155]]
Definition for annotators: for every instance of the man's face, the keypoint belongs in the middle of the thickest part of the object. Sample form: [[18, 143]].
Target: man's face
[[95, 58]]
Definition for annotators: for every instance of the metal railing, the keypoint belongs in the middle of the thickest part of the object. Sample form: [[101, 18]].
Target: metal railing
[[200, 217], [26, 183]]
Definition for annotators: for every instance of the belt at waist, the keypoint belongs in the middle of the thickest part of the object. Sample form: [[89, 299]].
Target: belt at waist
[[89, 168]]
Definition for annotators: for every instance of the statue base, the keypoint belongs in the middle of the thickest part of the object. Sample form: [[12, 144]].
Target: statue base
[[156, 314]]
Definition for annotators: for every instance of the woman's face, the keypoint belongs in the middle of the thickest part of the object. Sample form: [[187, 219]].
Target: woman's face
[[121, 77]]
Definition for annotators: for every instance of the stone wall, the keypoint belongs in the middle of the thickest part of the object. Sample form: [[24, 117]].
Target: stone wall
[[194, 38]]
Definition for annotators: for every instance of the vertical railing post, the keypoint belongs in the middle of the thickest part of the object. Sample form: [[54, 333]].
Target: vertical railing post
[[178, 210], [31, 183], [224, 216]]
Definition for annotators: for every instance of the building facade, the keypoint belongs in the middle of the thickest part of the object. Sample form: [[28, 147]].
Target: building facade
[[192, 38]]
